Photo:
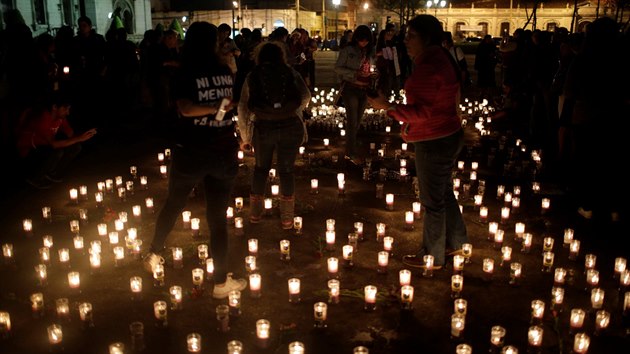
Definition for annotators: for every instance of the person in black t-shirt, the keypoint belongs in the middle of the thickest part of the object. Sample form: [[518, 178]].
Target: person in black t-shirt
[[205, 150]]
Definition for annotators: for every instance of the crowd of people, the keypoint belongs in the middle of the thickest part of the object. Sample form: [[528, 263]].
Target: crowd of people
[[556, 88]]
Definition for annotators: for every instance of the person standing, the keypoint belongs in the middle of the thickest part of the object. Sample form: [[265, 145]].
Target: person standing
[[432, 124], [205, 150], [273, 98], [355, 67]]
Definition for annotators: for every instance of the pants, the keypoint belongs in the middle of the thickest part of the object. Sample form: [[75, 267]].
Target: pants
[[217, 171], [355, 100], [284, 137], [443, 223], [52, 162]]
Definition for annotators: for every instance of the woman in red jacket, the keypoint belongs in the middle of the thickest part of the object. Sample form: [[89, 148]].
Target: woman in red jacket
[[431, 122]]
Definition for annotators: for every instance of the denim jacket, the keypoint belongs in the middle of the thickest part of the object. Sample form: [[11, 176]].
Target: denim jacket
[[349, 62]]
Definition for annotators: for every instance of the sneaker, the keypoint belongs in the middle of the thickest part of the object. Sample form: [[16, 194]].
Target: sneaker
[[221, 292], [586, 214], [151, 260], [53, 178], [39, 183], [416, 261]]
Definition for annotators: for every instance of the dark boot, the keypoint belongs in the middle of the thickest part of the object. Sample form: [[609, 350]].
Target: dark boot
[[255, 207], [287, 207]]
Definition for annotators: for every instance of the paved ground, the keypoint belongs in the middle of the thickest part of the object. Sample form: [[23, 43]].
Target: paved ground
[[388, 329]]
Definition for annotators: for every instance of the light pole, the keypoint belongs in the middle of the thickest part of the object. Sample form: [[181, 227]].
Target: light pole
[[336, 3], [234, 7], [435, 4]]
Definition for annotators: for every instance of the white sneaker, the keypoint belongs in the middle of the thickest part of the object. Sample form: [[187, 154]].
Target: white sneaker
[[221, 292], [151, 260]]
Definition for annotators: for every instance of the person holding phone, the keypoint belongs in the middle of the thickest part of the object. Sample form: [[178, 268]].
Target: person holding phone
[[205, 150]]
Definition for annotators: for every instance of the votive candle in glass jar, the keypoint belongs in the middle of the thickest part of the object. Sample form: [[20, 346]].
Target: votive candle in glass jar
[[135, 285], [406, 297], [175, 293], [320, 314], [458, 323], [460, 306], [457, 285], [285, 250], [497, 336], [538, 311], [62, 306], [597, 298], [380, 231], [602, 320], [263, 328], [488, 269], [296, 348], [534, 337], [547, 261], [516, 271], [234, 347], [581, 342], [574, 249], [576, 320], [428, 265], [294, 290], [404, 277], [369, 292], [463, 349], [55, 336], [255, 285], [333, 291], [160, 313], [193, 342]]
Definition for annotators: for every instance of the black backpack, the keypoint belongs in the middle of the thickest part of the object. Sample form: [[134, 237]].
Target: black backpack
[[273, 94]]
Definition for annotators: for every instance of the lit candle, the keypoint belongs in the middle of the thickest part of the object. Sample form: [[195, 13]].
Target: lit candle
[[333, 267], [167, 154], [194, 226], [122, 194], [406, 297], [330, 240], [55, 335], [557, 297], [95, 261], [294, 290], [498, 239], [457, 285], [235, 347], [409, 218], [296, 348], [620, 266], [78, 242], [197, 277], [460, 306], [86, 314], [74, 226], [568, 237], [536, 187], [592, 278], [458, 264], [160, 313], [144, 182], [117, 348], [389, 201], [250, 263], [388, 244], [186, 214], [209, 268], [74, 280], [497, 336], [252, 246], [193, 342], [297, 225], [559, 276], [98, 197], [428, 265], [262, 332], [275, 190], [314, 186], [581, 343], [507, 198], [527, 242], [505, 214], [545, 204], [500, 191], [602, 320], [163, 171], [519, 230], [285, 250], [347, 251], [109, 185], [46, 213], [548, 258], [463, 349], [135, 284], [370, 292], [268, 205], [478, 202], [492, 229], [589, 261], [74, 195], [516, 269], [158, 275], [358, 230], [538, 311], [27, 225], [62, 308], [320, 313], [467, 249], [333, 291], [175, 293], [458, 323], [535, 336], [597, 298], [255, 284], [624, 279], [178, 258], [416, 207], [238, 226], [488, 268], [548, 244], [576, 321], [380, 231], [383, 261]]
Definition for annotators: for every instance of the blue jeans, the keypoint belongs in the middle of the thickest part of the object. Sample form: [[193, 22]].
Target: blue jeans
[[216, 170], [443, 222], [355, 100], [284, 137]]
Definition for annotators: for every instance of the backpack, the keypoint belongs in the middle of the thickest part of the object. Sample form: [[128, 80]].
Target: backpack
[[273, 94]]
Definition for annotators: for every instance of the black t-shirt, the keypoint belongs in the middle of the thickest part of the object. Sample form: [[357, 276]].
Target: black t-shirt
[[205, 86]]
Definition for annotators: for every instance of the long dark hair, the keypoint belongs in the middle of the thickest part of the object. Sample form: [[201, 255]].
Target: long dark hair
[[361, 33], [431, 33], [200, 46]]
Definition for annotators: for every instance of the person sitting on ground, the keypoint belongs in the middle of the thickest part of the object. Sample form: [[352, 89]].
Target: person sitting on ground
[[46, 141]]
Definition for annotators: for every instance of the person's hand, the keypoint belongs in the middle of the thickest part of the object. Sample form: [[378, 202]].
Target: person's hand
[[87, 135], [379, 102]]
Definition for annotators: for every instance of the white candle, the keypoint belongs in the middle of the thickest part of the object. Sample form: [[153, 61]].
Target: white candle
[[538, 311], [389, 201], [285, 250], [406, 297], [193, 342], [74, 195], [296, 348], [294, 290], [370, 292], [197, 277], [55, 334], [333, 267], [330, 240], [458, 323], [252, 246], [497, 336], [409, 218], [74, 280], [163, 171], [383, 261], [597, 298], [314, 185], [255, 285], [62, 308], [534, 336], [576, 319], [175, 292], [135, 285], [581, 343], [160, 313], [457, 285]]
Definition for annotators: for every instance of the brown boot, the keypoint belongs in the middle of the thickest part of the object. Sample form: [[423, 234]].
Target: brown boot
[[287, 206], [255, 207]]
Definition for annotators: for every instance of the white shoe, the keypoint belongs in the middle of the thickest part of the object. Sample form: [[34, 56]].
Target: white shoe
[[151, 260], [221, 292], [586, 214]]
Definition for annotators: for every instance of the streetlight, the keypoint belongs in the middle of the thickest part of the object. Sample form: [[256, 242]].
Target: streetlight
[[435, 4], [336, 3], [234, 7]]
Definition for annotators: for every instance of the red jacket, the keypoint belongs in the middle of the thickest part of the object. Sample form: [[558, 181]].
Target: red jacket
[[432, 93]]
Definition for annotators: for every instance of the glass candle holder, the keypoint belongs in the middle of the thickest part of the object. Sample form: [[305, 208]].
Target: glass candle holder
[[526, 244], [538, 311], [136, 330], [620, 266], [505, 215], [176, 297], [314, 186], [234, 347], [62, 307], [197, 277], [160, 313], [360, 350], [460, 306], [498, 239], [516, 270], [428, 265], [574, 249], [383, 261], [42, 274], [334, 288], [369, 293], [297, 225], [294, 290], [178, 258], [576, 320], [255, 285], [296, 348], [252, 246], [223, 318], [519, 230], [158, 275], [592, 278], [7, 253], [458, 324], [416, 207], [404, 277], [320, 314], [194, 227], [534, 337], [492, 229], [406, 297], [135, 285], [74, 280], [602, 320], [467, 250], [409, 219], [263, 328], [497, 336], [234, 302], [597, 298], [548, 244], [333, 267], [55, 336], [557, 298], [581, 342], [347, 254], [567, 237], [590, 260], [389, 201], [193, 342], [86, 314], [209, 268], [463, 349], [547, 261], [508, 349], [488, 269], [330, 240], [250, 264], [380, 231], [483, 214], [285, 250], [37, 305], [358, 230], [457, 285], [545, 205]]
